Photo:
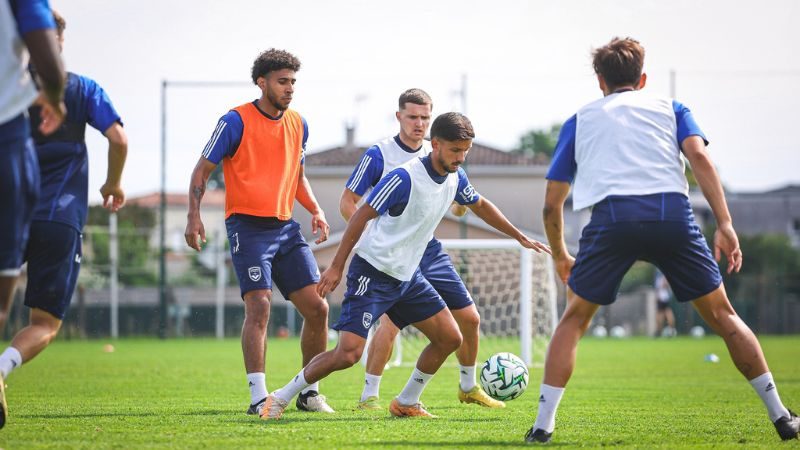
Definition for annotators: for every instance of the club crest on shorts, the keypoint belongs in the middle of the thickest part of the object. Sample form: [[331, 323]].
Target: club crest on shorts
[[366, 320], [254, 273]]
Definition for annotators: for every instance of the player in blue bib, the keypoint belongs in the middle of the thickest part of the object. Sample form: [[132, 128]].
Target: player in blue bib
[[384, 276], [623, 156], [53, 251], [414, 116], [25, 26]]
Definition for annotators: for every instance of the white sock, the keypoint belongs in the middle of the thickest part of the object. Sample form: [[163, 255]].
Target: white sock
[[311, 387], [467, 377], [372, 384], [549, 399], [258, 386], [414, 387], [288, 392], [9, 360], [766, 389]]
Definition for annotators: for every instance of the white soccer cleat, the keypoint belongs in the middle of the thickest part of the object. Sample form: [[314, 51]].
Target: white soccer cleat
[[313, 401]]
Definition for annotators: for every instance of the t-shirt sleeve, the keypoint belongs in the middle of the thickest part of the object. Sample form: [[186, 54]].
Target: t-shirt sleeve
[[32, 15], [393, 190], [225, 139], [466, 194], [100, 111], [367, 172], [563, 166], [305, 140], [686, 123]]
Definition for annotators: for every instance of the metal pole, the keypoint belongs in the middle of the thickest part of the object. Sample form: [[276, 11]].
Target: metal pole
[[220, 247], [462, 222], [162, 235], [525, 304], [114, 282]]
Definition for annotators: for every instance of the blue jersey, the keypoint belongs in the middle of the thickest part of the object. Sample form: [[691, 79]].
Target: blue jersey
[[393, 191], [63, 158], [228, 135]]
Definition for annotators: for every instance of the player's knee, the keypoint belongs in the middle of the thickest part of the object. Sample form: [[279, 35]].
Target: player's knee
[[318, 315], [470, 321], [348, 357], [451, 341]]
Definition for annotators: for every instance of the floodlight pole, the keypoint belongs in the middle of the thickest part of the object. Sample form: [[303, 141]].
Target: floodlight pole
[[162, 226]]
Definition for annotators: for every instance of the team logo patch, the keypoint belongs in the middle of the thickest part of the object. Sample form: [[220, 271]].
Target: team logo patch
[[366, 320], [254, 273], [468, 193]]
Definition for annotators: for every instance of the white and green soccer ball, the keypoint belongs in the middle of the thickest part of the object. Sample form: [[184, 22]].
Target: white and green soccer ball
[[504, 376]]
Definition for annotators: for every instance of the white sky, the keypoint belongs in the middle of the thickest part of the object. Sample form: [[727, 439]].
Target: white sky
[[527, 65]]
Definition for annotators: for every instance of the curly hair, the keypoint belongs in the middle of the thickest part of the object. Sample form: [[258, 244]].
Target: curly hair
[[61, 24], [619, 62], [272, 60], [452, 126]]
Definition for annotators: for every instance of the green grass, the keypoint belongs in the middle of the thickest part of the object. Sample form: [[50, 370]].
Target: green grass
[[640, 393]]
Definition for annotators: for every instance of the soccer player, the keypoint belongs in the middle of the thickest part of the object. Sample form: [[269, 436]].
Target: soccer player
[[665, 319], [25, 26], [384, 275], [261, 145], [623, 155], [414, 116]]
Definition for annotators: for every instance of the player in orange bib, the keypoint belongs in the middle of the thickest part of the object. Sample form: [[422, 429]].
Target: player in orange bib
[[261, 146]]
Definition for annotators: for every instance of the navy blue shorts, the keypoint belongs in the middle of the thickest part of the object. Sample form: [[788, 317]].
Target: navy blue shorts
[[264, 250], [659, 229], [437, 267], [54, 260], [371, 293], [19, 189]]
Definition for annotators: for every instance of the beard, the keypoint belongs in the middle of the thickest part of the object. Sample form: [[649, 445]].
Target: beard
[[274, 101], [449, 168]]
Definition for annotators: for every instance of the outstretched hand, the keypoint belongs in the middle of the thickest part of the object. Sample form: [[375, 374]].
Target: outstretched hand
[[329, 281], [534, 245], [727, 243]]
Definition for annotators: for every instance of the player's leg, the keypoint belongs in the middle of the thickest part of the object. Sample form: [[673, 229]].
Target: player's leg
[[669, 316], [748, 357], [295, 273], [694, 276], [252, 253], [378, 354], [35, 337]]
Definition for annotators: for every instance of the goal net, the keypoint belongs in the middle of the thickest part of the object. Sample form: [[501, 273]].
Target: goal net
[[515, 293]]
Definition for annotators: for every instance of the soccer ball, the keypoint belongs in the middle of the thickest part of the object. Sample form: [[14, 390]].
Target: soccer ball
[[504, 376]]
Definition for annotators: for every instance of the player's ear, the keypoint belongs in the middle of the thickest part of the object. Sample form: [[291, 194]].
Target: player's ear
[[397, 115], [435, 143], [642, 80], [261, 82]]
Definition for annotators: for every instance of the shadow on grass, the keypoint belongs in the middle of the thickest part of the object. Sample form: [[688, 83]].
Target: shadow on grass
[[485, 443]]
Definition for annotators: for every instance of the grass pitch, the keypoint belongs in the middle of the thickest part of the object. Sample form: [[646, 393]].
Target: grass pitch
[[640, 392]]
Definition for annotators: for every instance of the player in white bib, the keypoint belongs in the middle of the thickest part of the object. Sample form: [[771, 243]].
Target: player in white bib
[[414, 116], [384, 275]]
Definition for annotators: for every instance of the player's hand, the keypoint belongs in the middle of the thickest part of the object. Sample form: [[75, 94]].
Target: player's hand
[[195, 232], [320, 225], [727, 243], [534, 245], [563, 266], [329, 280], [458, 210], [113, 197], [52, 115]]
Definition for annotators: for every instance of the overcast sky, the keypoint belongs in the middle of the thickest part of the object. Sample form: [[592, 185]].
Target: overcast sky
[[526, 65]]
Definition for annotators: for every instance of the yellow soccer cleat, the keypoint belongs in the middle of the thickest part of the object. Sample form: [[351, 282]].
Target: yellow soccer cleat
[[370, 404], [415, 410], [477, 396], [3, 404]]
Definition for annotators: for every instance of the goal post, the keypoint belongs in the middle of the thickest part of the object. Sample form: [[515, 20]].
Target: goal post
[[515, 292]]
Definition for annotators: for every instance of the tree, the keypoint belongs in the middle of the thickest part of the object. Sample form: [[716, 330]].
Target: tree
[[539, 143]]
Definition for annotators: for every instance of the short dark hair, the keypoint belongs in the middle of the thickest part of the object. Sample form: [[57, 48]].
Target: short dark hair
[[452, 126], [61, 24], [272, 60], [415, 96], [619, 62]]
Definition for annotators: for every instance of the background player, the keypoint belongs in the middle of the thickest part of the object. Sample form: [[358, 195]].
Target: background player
[[665, 318], [25, 26], [623, 153], [261, 185], [414, 116], [384, 275]]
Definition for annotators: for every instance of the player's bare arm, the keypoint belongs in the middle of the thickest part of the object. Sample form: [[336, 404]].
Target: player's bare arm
[[553, 217], [348, 203], [113, 195], [305, 196], [725, 240], [490, 214], [355, 228], [195, 231], [45, 56]]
